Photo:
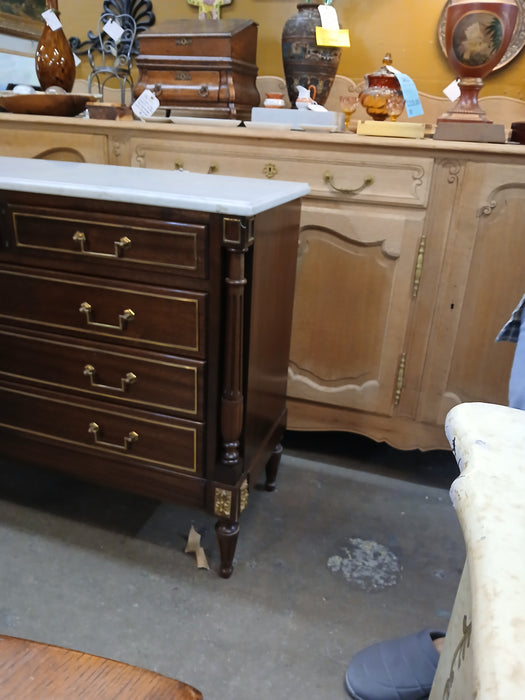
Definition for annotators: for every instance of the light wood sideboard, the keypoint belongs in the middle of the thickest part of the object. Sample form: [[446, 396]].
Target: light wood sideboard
[[409, 260]]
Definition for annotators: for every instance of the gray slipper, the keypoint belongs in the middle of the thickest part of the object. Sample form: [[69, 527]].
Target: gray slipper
[[399, 669]]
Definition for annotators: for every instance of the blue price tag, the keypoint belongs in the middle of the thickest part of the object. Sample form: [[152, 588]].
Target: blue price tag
[[408, 87]]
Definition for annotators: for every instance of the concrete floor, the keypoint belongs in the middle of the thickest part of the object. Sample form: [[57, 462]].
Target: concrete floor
[[359, 543]]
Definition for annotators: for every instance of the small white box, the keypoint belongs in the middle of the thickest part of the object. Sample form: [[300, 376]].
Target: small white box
[[296, 117]]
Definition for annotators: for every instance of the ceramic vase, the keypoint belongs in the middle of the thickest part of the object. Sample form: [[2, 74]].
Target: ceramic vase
[[477, 34], [54, 60], [304, 62]]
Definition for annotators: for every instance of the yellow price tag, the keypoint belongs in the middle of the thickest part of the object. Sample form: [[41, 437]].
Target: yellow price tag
[[332, 37]]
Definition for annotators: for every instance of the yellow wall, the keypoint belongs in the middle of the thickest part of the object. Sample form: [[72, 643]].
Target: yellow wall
[[406, 28]]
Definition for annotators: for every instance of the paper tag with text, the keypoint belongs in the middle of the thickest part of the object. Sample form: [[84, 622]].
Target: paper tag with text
[[328, 17], [51, 20], [452, 91], [145, 105], [332, 37], [413, 104], [114, 30]]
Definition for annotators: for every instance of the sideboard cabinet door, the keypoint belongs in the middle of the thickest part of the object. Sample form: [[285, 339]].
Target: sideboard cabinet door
[[483, 279], [355, 277]]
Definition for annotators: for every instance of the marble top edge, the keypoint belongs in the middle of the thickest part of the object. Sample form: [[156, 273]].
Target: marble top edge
[[223, 194]]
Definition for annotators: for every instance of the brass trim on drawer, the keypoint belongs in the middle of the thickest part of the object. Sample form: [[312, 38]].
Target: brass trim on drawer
[[103, 390], [196, 347], [86, 222], [98, 445]]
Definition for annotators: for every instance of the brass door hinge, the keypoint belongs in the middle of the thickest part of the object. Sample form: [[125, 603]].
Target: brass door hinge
[[400, 378], [419, 265]]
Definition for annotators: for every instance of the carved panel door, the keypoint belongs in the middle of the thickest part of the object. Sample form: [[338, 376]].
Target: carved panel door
[[355, 279], [483, 280]]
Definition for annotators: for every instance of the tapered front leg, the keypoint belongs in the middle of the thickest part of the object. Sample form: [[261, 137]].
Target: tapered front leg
[[227, 534], [272, 467]]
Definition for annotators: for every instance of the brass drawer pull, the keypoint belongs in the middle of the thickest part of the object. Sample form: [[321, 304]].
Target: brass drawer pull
[[124, 317], [204, 91], [328, 178], [125, 382], [129, 439], [120, 246]]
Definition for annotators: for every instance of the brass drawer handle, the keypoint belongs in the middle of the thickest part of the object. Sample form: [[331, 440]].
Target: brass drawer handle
[[129, 439], [125, 382], [120, 246], [124, 317], [204, 91], [328, 178]]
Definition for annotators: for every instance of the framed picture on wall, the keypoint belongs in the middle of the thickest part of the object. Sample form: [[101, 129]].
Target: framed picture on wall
[[22, 17]]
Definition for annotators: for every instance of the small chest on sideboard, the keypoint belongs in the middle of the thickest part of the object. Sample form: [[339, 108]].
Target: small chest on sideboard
[[201, 68]]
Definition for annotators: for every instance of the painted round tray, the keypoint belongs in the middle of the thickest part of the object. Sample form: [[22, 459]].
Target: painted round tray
[[42, 103]]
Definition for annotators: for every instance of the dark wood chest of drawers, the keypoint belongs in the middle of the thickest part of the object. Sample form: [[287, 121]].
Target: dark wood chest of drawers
[[146, 347], [201, 68]]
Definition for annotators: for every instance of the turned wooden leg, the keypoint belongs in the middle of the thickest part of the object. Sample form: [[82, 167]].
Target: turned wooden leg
[[272, 467], [227, 534]]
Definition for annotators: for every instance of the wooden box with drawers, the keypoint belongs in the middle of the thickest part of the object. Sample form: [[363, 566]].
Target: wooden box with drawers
[[141, 346], [201, 68]]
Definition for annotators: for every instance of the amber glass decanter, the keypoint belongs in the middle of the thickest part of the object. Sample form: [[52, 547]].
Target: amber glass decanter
[[382, 96], [54, 60]]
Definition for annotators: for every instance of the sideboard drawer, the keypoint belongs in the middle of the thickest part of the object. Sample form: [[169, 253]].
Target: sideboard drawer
[[343, 176], [156, 440], [164, 383], [160, 319], [175, 247], [379, 179]]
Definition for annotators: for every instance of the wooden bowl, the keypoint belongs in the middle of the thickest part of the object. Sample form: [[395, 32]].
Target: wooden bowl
[[41, 103]]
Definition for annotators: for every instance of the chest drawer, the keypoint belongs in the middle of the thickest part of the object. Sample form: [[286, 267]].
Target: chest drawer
[[175, 247], [183, 85], [158, 441], [163, 383], [159, 319]]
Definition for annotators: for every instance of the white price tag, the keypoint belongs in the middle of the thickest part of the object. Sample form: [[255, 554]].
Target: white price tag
[[51, 20], [452, 91], [114, 30], [145, 105], [410, 94], [76, 59], [328, 17]]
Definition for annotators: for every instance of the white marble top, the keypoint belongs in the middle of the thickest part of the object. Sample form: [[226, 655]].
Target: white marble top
[[488, 442], [219, 194]]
